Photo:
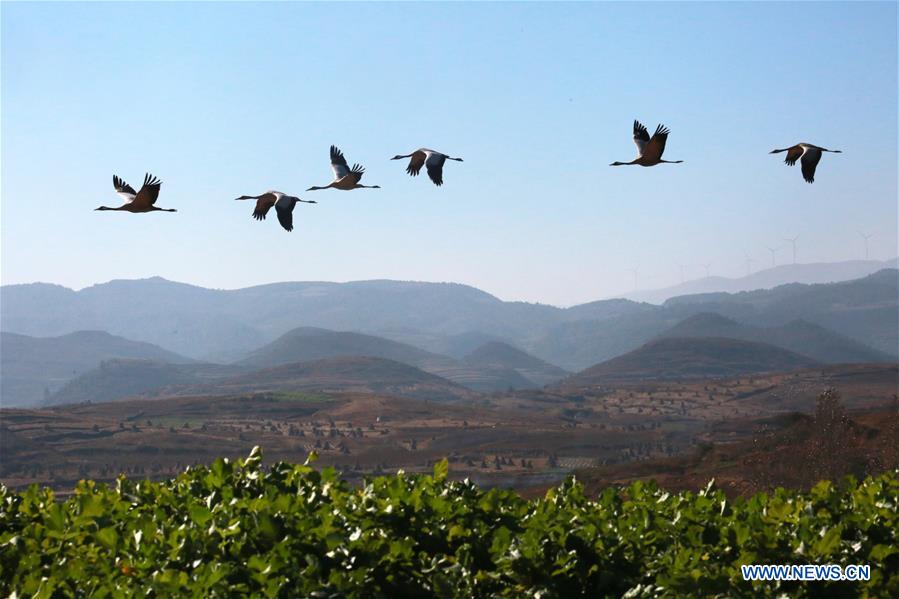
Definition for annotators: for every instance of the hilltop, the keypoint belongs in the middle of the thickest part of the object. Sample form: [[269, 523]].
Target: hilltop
[[496, 354], [799, 336], [692, 358], [31, 368], [308, 343], [441, 318]]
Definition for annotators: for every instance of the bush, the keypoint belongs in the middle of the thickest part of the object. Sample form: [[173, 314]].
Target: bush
[[292, 531]]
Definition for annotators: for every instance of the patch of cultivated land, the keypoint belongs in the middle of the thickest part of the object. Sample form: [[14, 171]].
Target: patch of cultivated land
[[521, 439]]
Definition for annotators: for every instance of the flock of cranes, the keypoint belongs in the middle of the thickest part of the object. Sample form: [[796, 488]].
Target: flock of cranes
[[346, 178]]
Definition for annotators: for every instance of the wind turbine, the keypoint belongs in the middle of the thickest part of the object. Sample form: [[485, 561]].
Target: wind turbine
[[749, 262], [773, 252], [707, 267], [866, 238], [681, 267], [793, 243]]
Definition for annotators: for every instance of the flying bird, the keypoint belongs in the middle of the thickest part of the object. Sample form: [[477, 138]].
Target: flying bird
[[282, 202], [430, 159], [649, 151], [345, 178], [809, 156], [140, 201]]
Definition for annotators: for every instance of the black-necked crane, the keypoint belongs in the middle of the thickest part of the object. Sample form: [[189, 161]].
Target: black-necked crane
[[430, 159], [345, 178], [808, 154], [282, 202], [649, 150], [138, 201]]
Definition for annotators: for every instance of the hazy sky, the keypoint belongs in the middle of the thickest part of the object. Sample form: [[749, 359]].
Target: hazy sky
[[224, 99]]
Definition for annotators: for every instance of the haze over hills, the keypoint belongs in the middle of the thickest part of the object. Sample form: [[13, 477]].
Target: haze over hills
[[223, 326], [816, 272], [305, 344], [116, 379], [866, 309], [345, 374], [798, 336], [33, 367], [496, 354], [671, 358]]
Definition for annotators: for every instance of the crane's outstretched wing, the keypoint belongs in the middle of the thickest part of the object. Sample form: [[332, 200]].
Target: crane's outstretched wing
[[338, 164], [263, 205], [415, 164], [641, 137], [149, 191], [285, 215], [793, 155], [435, 168], [656, 146], [810, 159], [123, 189], [356, 172]]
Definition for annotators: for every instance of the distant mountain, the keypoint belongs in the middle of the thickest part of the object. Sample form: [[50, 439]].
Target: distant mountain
[[346, 373], [821, 272], [121, 378], [687, 358], [496, 354], [306, 344], [799, 336], [442, 318], [33, 367], [866, 309]]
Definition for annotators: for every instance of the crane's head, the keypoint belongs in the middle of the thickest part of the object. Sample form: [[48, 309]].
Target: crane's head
[[398, 157]]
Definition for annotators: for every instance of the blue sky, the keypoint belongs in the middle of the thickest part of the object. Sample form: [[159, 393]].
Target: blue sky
[[224, 99]]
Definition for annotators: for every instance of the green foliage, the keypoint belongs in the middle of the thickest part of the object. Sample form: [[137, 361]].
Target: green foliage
[[236, 528]]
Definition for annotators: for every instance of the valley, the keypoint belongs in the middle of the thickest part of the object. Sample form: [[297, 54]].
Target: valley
[[521, 439]]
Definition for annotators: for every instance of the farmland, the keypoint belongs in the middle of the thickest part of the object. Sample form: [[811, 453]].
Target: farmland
[[523, 439]]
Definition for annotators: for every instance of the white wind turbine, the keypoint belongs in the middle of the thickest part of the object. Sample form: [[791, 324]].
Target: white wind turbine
[[866, 238], [773, 251], [793, 243]]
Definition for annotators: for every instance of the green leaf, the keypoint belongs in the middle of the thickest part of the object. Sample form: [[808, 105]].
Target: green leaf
[[441, 469]]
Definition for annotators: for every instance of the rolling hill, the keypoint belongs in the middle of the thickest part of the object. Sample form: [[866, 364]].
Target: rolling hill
[[225, 325], [689, 358], [799, 336], [117, 379], [31, 368], [768, 278], [307, 344], [364, 374], [496, 354]]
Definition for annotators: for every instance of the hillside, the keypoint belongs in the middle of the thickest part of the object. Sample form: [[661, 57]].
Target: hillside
[[795, 451], [687, 358], [225, 325], [768, 278], [307, 344], [357, 374], [117, 379], [33, 367], [866, 309], [496, 354], [799, 336]]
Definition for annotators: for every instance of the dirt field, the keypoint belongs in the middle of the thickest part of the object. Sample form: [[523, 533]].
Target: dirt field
[[521, 439]]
